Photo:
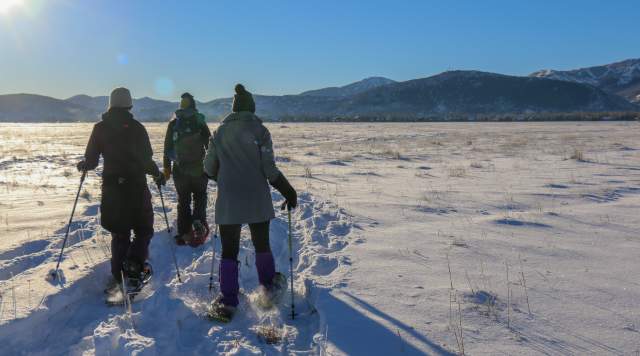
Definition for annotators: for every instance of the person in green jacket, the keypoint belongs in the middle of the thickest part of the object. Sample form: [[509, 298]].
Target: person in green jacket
[[185, 144]]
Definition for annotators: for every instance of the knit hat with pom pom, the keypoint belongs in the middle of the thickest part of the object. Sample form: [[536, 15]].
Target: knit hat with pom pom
[[243, 100]]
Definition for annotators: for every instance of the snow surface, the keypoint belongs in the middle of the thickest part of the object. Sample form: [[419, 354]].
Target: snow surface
[[388, 213]]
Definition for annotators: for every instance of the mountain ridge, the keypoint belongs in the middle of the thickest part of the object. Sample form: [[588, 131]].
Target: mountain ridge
[[350, 89], [451, 92], [621, 78], [38, 108], [484, 92]]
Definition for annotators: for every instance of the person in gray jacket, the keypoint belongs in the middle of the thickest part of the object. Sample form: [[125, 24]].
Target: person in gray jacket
[[240, 159]]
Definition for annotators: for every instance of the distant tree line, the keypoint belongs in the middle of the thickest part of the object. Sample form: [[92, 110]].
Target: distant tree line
[[465, 117], [402, 117]]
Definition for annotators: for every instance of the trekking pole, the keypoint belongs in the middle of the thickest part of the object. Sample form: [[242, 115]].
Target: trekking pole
[[166, 220], [54, 274], [213, 256], [293, 305]]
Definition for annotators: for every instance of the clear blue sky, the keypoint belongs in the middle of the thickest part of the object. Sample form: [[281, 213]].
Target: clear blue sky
[[161, 48]]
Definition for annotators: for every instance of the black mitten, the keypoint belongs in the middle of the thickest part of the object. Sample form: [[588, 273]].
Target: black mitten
[[284, 187]]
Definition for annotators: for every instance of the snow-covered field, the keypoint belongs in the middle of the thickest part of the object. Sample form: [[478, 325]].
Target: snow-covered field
[[492, 238]]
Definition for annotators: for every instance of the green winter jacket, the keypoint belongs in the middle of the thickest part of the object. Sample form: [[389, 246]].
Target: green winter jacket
[[185, 143]]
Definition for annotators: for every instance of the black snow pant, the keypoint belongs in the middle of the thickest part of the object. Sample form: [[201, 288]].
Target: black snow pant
[[190, 188], [123, 248], [230, 236]]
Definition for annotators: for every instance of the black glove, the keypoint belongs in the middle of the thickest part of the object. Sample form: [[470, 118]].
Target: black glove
[[82, 166], [160, 180], [291, 197]]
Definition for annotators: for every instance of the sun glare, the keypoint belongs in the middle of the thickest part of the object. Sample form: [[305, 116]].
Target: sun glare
[[7, 5]]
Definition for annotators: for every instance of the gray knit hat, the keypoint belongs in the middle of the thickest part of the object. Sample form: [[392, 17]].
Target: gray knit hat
[[120, 98]]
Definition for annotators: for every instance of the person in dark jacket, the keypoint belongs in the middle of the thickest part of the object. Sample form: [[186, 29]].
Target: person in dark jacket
[[240, 159], [126, 201], [185, 143]]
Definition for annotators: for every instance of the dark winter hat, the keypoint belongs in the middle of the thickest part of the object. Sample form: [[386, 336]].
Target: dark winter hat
[[187, 101], [243, 100]]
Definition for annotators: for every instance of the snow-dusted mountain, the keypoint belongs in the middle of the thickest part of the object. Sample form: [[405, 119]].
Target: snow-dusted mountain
[[451, 92], [482, 92], [462, 92], [351, 89], [622, 78]]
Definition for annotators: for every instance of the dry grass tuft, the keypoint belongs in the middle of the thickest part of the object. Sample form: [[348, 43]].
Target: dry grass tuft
[[578, 155], [270, 334], [393, 154], [307, 172], [457, 172]]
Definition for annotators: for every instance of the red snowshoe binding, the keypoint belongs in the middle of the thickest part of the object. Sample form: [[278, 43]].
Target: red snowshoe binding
[[180, 240], [198, 235]]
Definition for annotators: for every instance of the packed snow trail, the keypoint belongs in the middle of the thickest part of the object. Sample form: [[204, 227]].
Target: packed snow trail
[[169, 316]]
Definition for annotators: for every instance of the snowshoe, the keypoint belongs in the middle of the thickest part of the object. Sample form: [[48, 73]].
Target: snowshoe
[[221, 312], [198, 235], [133, 273], [137, 277], [111, 284], [115, 296], [270, 296]]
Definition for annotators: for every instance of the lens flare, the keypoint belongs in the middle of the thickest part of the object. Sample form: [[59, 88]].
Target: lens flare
[[164, 87], [122, 59], [7, 5]]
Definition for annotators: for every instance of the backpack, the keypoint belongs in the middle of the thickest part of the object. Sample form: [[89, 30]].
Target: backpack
[[188, 142]]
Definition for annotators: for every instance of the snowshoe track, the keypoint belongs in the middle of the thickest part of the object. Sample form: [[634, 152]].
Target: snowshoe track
[[169, 320], [31, 254]]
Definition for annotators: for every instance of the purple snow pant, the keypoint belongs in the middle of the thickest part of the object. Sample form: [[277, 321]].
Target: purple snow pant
[[230, 236]]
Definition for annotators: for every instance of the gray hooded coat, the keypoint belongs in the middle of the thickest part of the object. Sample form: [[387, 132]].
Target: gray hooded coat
[[240, 159]]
